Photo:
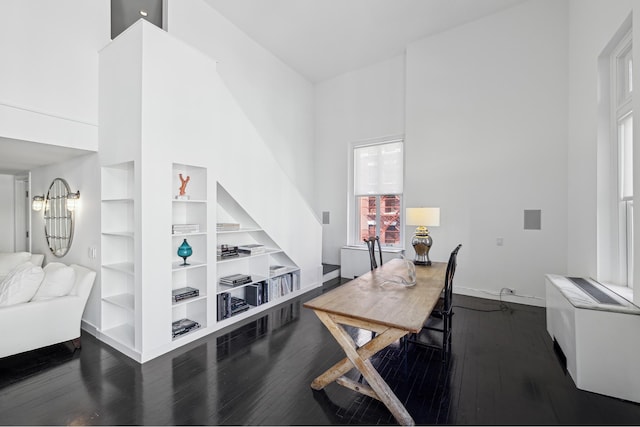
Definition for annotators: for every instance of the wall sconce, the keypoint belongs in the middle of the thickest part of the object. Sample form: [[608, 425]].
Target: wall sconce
[[72, 200], [37, 203]]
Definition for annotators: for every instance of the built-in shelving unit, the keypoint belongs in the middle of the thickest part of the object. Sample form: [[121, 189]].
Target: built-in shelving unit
[[153, 128], [118, 244], [189, 223], [272, 287]]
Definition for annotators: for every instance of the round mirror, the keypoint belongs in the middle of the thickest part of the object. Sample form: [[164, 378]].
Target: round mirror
[[58, 220]]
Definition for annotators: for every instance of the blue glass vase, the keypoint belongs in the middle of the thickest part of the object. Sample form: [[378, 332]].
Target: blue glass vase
[[185, 251]]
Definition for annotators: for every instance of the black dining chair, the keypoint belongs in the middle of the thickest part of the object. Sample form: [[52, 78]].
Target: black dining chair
[[441, 316], [371, 246]]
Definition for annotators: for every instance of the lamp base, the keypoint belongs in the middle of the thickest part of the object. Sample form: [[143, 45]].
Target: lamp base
[[422, 245]]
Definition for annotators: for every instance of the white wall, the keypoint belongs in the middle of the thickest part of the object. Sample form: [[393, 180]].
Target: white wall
[[7, 234], [276, 99], [361, 105], [593, 23], [81, 173], [486, 137], [49, 76]]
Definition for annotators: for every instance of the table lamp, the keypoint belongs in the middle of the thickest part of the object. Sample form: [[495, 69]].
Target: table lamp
[[422, 218]]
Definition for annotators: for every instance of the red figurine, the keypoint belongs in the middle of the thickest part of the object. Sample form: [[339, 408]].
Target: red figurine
[[183, 187]]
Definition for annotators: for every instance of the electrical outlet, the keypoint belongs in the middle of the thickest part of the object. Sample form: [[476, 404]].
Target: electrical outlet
[[509, 291]]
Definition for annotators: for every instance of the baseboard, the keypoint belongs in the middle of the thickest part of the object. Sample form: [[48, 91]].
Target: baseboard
[[495, 295]]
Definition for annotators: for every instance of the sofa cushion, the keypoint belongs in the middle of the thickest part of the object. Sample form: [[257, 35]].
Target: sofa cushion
[[58, 281], [10, 260], [21, 284]]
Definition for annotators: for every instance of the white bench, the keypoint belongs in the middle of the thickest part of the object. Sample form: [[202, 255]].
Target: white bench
[[601, 342]]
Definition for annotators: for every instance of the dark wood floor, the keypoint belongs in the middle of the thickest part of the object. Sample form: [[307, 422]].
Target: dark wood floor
[[503, 370]]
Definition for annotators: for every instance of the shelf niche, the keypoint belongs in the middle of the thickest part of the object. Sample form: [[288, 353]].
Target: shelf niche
[[272, 287]]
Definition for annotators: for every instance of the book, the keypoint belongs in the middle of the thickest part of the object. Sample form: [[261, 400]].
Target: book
[[254, 248], [183, 326], [227, 226], [185, 228], [235, 279], [184, 293], [276, 269], [238, 305], [253, 294], [223, 301]]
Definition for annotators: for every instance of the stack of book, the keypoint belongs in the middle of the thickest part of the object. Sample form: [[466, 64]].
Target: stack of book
[[251, 249], [184, 293], [283, 285], [274, 270], [227, 226], [229, 305], [185, 228], [226, 251], [238, 305], [257, 293], [235, 279], [183, 326]]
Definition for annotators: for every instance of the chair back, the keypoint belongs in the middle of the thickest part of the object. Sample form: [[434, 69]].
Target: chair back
[[448, 278], [371, 246]]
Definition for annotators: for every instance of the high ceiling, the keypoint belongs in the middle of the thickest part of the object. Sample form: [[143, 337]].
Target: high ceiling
[[322, 39]]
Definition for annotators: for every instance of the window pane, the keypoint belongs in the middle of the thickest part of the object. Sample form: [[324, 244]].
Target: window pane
[[625, 75], [625, 135], [378, 169], [630, 74], [390, 224], [367, 212], [629, 209]]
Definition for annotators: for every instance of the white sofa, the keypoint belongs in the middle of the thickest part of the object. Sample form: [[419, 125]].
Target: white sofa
[[39, 323]]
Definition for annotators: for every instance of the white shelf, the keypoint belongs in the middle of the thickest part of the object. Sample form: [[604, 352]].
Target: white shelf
[[188, 201], [241, 230], [177, 266], [123, 267], [188, 300], [242, 256], [126, 301], [117, 200], [128, 234], [190, 211], [199, 233]]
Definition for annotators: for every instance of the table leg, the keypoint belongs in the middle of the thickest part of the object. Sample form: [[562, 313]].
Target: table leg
[[359, 360]]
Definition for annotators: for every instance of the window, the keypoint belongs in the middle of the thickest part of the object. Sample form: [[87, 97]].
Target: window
[[614, 227], [378, 171], [622, 120]]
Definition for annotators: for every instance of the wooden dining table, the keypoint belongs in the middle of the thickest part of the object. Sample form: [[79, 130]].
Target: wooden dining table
[[377, 302]]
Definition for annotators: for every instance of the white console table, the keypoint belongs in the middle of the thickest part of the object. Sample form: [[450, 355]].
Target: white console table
[[601, 342]]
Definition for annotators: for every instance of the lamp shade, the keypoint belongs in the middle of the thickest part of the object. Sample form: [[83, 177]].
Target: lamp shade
[[428, 217]]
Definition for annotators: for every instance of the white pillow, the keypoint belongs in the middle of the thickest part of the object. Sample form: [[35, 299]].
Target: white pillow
[[10, 260], [21, 284], [58, 281]]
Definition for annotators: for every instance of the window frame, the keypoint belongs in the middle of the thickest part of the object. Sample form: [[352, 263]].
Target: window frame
[[353, 207], [621, 89]]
